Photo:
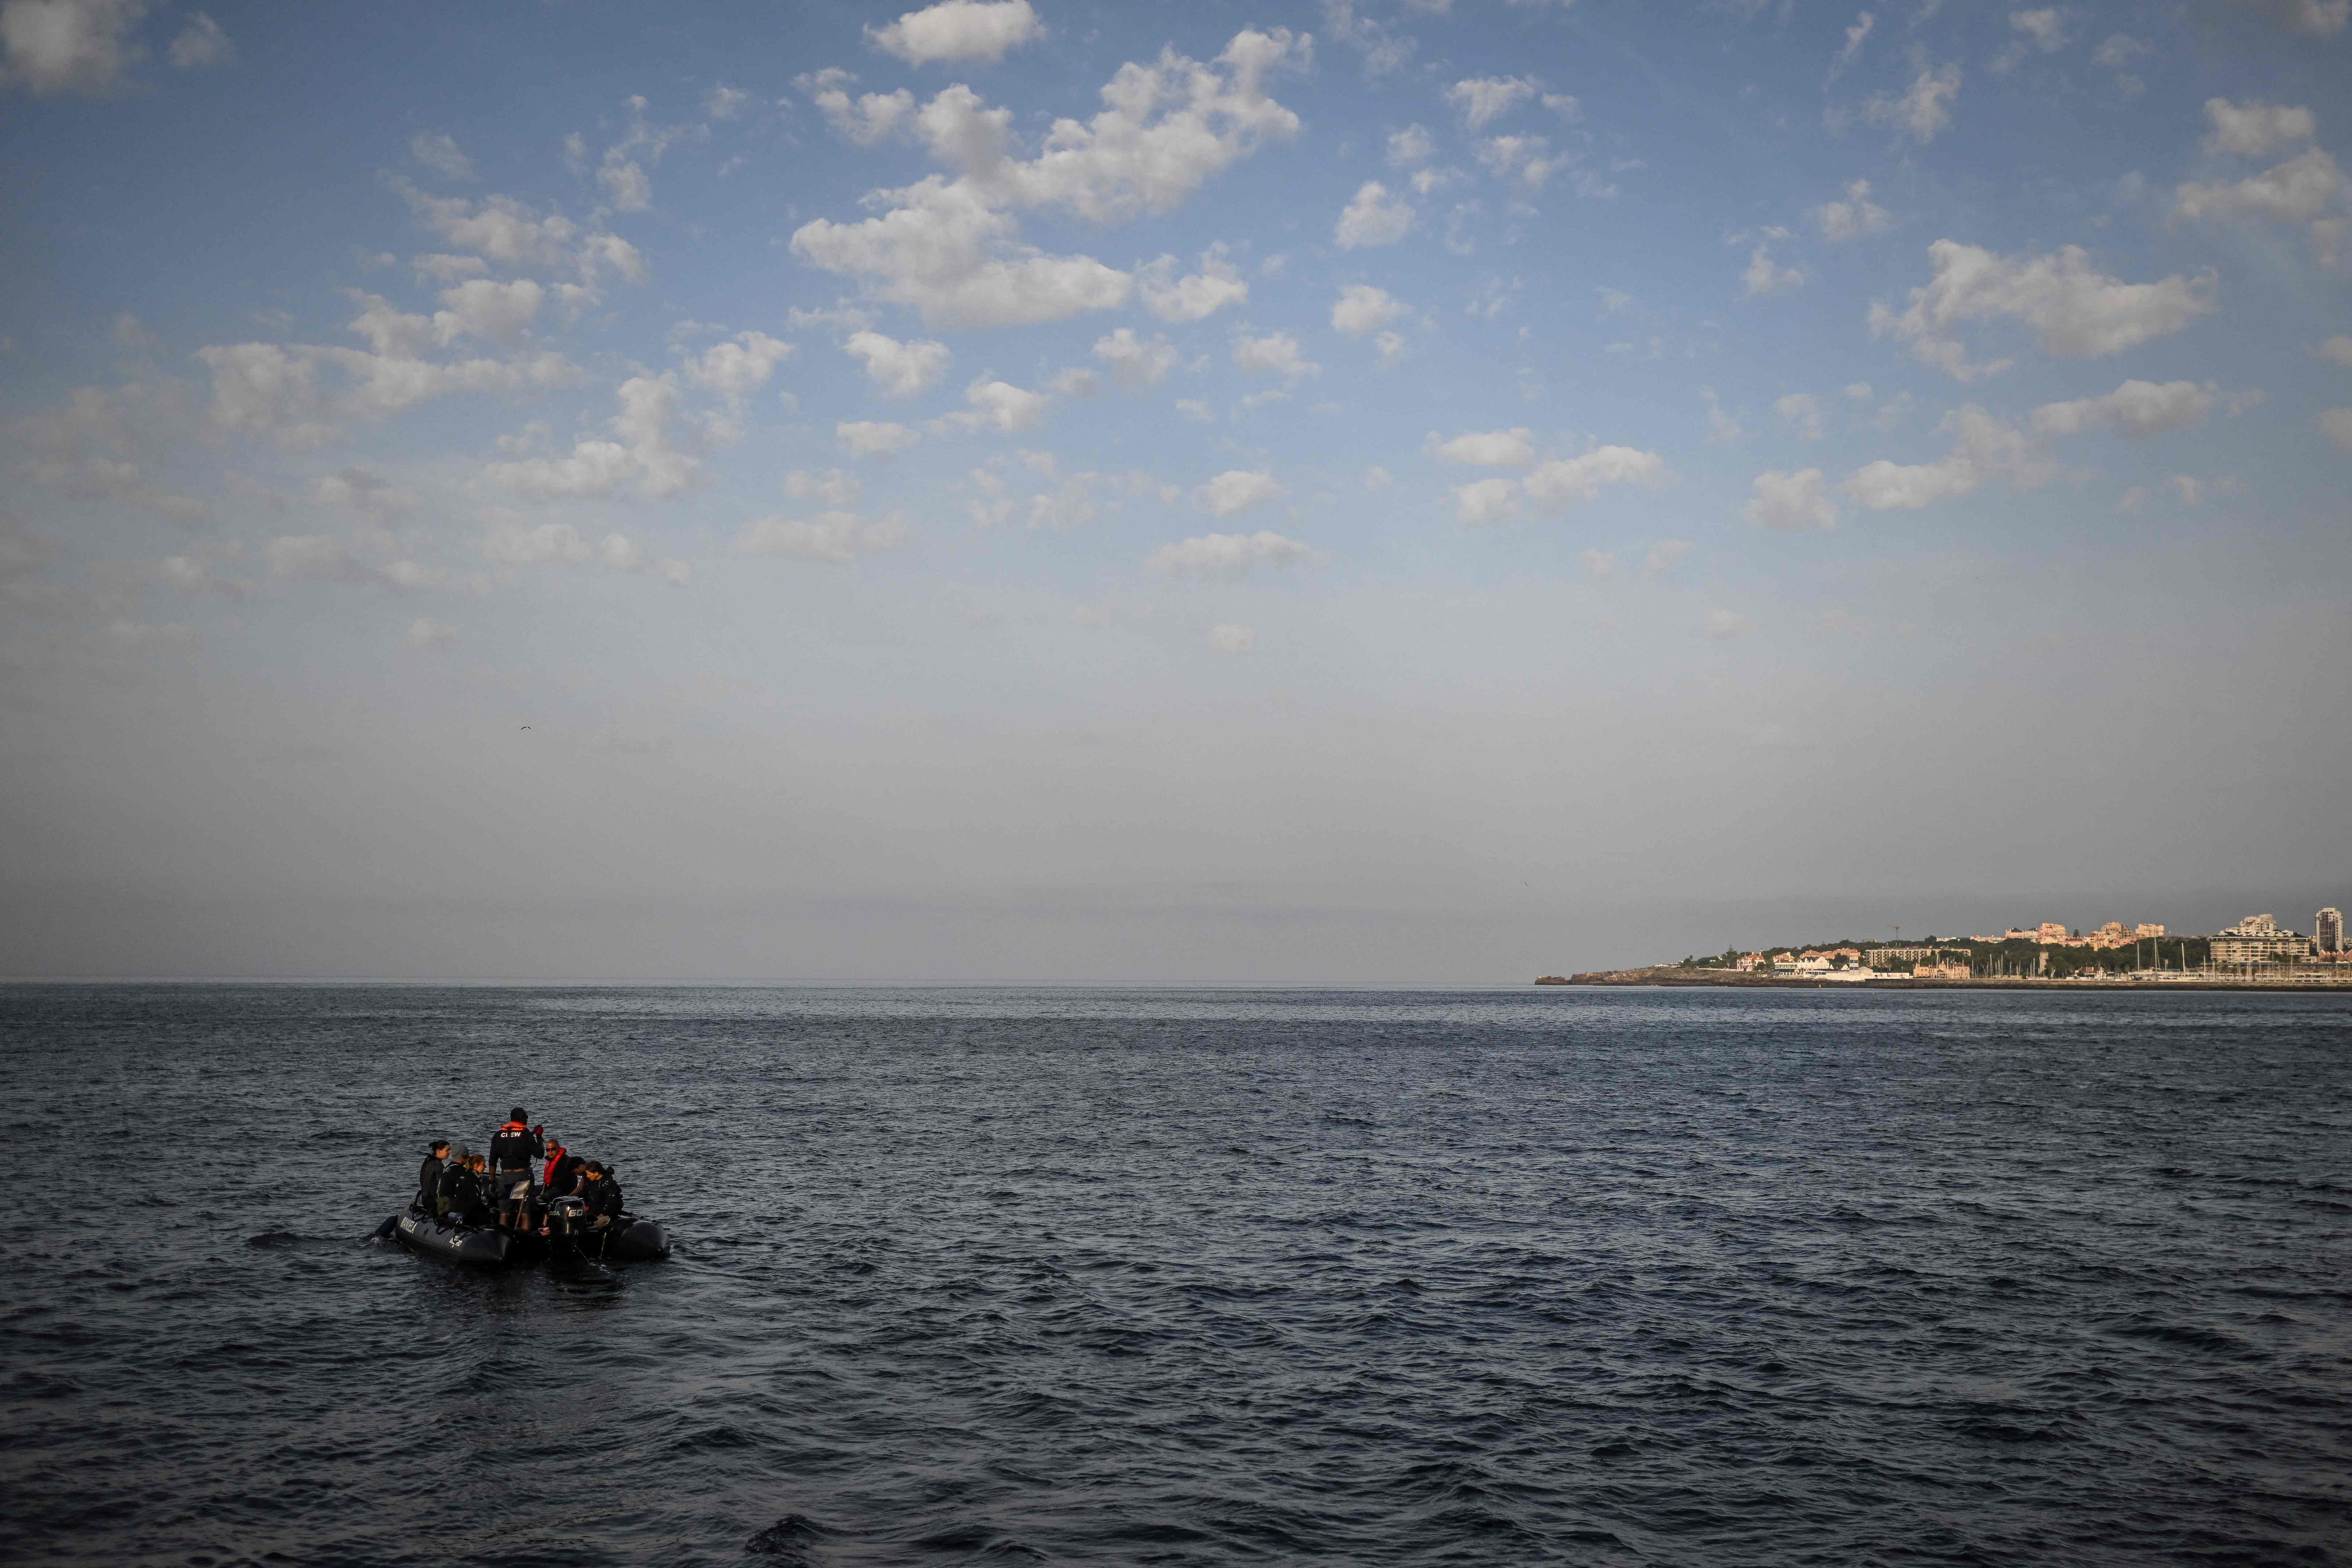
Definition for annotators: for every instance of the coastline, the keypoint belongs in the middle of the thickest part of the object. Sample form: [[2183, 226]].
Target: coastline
[[1677, 975]]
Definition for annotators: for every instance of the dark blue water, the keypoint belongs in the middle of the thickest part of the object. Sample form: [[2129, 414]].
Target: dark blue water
[[975, 1275]]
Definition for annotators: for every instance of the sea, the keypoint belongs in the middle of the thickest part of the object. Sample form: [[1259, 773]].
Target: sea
[[991, 1275]]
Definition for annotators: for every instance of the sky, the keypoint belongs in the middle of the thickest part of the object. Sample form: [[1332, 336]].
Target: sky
[[1436, 491]]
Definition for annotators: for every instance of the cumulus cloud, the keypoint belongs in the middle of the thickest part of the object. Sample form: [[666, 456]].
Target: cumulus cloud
[[834, 537], [1411, 146], [2134, 408], [1924, 109], [866, 119], [641, 450], [1722, 624], [2080, 311], [439, 152], [1983, 448], [1071, 506], [2337, 350], [1228, 557], [900, 369], [511, 234], [1373, 217], [201, 44], [2311, 18], [1528, 158], [1195, 296], [1792, 501], [1665, 555], [1133, 361], [1764, 277], [1565, 481], [997, 406], [1855, 216], [1803, 413], [2337, 424], [2300, 190], [958, 30], [2250, 130], [1236, 490], [67, 45], [950, 246], [1277, 354], [430, 634], [1489, 449], [871, 439], [1482, 99], [739, 366], [1484, 501], [1361, 308]]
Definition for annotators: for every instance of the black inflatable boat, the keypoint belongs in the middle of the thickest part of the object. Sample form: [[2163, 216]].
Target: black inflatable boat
[[634, 1240]]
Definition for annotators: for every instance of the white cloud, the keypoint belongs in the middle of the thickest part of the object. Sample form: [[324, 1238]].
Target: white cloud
[[1193, 409], [1133, 361], [1410, 146], [2119, 54], [1228, 557], [833, 490], [1802, 413], [739, 366], [996, 405], [1236, 490], [1486, 501], [1275, 353], [724, 102], [2134, 408], [837, 537], [1195, 298], [1373, 217], [2337, 349], [2080, 311], [949, 247], [1665, 555], [2297, 191], [1482, 99], [1227, 637], [2250, 130], [2336, 423], [1862, 23], [1983, 448], [1564, 481], [871, 439], [959, 30], [201, 44], [1853, 217], [369, 494], [641, 452], [866, 119], [1490, 448], [1792, 501], [1599, 562], [1762, 276], [2043, 30], [480, 308], [1527, 158], [511, 234], [1362, 309], [1383, 50], [900, 369], [431, 634], [1726, 623], [439, 152], [2311, 18], [1072, 506], [1923, 111], [67, 45]]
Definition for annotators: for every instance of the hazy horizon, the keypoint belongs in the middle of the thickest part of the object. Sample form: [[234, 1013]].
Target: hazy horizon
[[1416, 491]]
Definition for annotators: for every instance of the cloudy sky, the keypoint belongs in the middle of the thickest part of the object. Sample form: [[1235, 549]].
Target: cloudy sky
[[1411, 489]]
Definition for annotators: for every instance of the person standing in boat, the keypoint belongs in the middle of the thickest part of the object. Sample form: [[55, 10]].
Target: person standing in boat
[[515, 1152], [428, 1176]]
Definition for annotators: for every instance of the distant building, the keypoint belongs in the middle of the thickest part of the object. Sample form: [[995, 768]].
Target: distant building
[[2258, 939], [2145, 930], [1748, 961], [2328, 931]]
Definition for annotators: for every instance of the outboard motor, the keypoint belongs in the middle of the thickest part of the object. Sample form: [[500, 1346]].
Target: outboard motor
[[566, 1218]]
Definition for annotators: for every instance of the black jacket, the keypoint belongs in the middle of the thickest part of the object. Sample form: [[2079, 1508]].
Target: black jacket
[[563, 1180], [604, 1196], [428, 1183], [467, 1191], [514, 1148]]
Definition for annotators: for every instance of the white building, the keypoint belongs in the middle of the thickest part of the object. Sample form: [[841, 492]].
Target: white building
[[2258, 939], [2327, 930]]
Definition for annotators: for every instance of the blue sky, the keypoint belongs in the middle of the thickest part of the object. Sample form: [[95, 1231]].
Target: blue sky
[[1304, 491]]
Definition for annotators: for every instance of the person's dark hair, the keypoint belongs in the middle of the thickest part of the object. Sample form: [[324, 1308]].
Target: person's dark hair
[[518, 1114], [440, 1145], [594, 1167]]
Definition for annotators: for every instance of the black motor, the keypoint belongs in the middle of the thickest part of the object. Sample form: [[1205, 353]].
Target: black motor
[[567, 1218]]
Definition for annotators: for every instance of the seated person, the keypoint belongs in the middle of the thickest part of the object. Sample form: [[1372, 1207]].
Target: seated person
[[428, 1177], [603, 1193], [471, 1203], [564, 1174]]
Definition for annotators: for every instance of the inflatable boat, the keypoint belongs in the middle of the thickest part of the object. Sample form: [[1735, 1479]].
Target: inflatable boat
[[567, 1239]]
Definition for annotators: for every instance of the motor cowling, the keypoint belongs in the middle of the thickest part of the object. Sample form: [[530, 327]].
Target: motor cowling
[[564, 1217]]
